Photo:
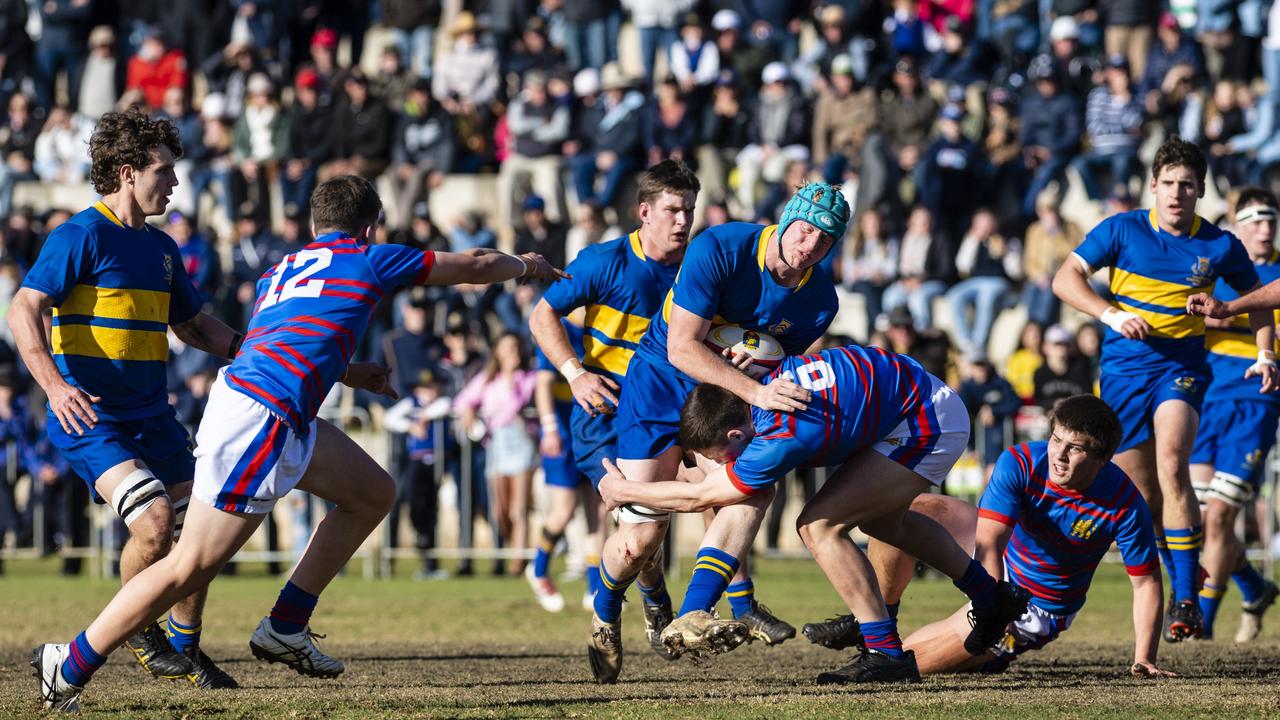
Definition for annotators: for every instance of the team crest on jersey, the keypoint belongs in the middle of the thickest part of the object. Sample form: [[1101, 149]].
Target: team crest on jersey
[[1084, 527], [1201, 272], [168, 269], [779, 328], [1186, 384], [1252, 459]]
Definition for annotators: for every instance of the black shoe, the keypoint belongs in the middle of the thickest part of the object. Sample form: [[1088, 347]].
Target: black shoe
[[656, 619], [1185, 621], [837, 633], [874, 666], [989, 623], [1166, 633], [205, 674], [154, 653], [766, 626]]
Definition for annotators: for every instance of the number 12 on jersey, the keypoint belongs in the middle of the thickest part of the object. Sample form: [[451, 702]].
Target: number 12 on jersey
[[300, 284]]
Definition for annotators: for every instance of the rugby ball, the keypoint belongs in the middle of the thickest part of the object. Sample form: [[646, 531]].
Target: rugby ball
[[765, 350]]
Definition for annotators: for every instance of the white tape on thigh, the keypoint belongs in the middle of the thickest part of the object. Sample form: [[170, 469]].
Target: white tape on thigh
[[636, 514], [1202, 493], [1230, 489], [179, 514], [135, 494]]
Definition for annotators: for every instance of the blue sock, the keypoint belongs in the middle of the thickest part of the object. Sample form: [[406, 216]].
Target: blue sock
[[82, 662], [893, 610], [1210, 600], [1250, 582], [977, 584], [712, 571], [593, 573], [609, 596], [882, 635], [542, 558], [182, 636], [292, 610], [742, 597], [1184, 545], [1166, 558], [656, 595]]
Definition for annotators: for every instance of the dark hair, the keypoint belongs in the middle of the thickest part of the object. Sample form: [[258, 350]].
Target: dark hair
[[127, 138], [708, 414], [1176, 152], [671, 176], [346, 204], [1254, 195], [1089, 416]]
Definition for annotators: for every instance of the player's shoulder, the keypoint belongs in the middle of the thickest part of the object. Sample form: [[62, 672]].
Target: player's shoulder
[[1021, 460], [1129, 222], [730, 237]]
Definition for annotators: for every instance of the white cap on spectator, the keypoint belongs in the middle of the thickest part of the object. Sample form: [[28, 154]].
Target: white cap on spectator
[[725, 20], [586, 82], [259, 84], [775, 72], [842, 64], [214, 106], [1058, 335], [1064, 28]]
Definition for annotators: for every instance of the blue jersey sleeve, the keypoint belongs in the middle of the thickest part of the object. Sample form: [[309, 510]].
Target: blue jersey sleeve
[[1239, 271], [1135, 537], [702, 274], [765, 461], [184, 299], [1100, 247], [564, 296], [1002, 500], [65, 259], [399, 265]]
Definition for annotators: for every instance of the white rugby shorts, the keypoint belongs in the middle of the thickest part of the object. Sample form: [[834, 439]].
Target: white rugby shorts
[[930, 440]]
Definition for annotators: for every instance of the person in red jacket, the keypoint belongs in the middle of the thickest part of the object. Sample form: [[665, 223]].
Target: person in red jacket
[[155, 69]]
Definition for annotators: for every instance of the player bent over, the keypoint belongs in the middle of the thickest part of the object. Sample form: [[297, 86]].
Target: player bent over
[[115, 285], [260, 437], [1049, 514], [891, 429]]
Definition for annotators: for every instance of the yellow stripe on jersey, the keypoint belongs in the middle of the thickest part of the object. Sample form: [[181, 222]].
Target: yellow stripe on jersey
[[636, 248], [616, 324], [116, 303], [1222, 342], [762, 247], [610, 358], [110, 343], [1154, 220], [107, 212], [1154, 292], [1167, 326]]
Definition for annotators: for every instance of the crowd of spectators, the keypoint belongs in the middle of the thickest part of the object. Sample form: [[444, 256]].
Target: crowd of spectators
[[956, 127]]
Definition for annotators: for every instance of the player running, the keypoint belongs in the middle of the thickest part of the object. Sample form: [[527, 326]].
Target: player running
[[1238, 431], [116, 285], [260, 437], [1154, 366], [891, 430], [1049, 514]]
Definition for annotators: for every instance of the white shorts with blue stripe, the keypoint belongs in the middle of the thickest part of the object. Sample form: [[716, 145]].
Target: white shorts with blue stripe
[[930, 440]]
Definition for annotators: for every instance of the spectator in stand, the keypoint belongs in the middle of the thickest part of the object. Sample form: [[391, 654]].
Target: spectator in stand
[[923, 271], [1050, 241], [991, 401], [588, 229], [255, 251], [259, 142], [539, 126], [695, 61], [1179, 106], [1013, 27], [1089, 345], [869, 262], [747, 60], [15, 46], [671, 130], [62, 496], [466, 82], [491, 406], [227, 73], [814, 69], [534, 52], [1002, 145], [988, 264], [1064, 373], [177, 110], [907, 116], [361, 131], [952, 178], [199, 258], [615, 134], [962, 61], [391, 83], [1050, 129], [154, 70], [15, 421], [422, 418], [656, 20], [1224, 121], [723, 134], [1174, 48], [845, 115], [1020, 368], [413, 24], [1113, 124], [99, 92], [776, 24], [310, 140], [17, 148], [59, 155], [1087, 17], [324, 60], [1075, 67], [61, 47], [423, 150], [778, 131], [925, 345], [587, 32], [1128, 29], [540, 235]]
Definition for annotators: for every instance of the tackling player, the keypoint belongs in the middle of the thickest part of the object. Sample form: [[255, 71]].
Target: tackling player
[[115, 285], [891, 429], [1154, 367], [1238, 431], [260, 437]]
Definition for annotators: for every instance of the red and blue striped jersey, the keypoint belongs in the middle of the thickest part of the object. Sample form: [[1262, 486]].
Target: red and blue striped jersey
[[1060, 535], [860, 394], [311, 310]]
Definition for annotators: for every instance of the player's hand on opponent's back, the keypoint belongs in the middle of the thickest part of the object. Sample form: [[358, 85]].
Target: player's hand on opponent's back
[[1143, 668], [537, 268], [1127, 324], [371, 376], [1207, 306], [73, 407], [1265, 368], [596, 393], [611, 484], [781, 395]]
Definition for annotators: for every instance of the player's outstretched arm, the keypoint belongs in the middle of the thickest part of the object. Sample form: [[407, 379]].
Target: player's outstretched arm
[[486, 265], [714, 491], [1264, 297], [371, 376], [208, 333], [593, 391], [1071, 285], [1262, 322], [1148, 610], [72, 406], [989, 541]]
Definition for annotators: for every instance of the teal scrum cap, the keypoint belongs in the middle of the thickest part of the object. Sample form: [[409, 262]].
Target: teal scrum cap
[[819, 204]]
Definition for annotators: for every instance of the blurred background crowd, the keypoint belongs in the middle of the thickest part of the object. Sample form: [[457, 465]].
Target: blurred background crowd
[[977, 140]]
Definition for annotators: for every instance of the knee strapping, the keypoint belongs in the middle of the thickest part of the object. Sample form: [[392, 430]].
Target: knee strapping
[[179, 515], [636, 514], [1230, 489], [139, 491]]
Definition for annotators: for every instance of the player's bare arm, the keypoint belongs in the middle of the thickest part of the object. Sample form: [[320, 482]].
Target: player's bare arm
[[1263, 297], [1148, 610], [486, 265], [72, 406], [371, 376], [1259, 303], [207, 333], [593, 391], [549, 444], [685, 335], [1071, 285], [989, 541], [714, 491]]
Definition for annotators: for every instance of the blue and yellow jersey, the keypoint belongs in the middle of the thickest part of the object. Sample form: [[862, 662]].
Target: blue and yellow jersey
[[723, 279], [1152, 275], [115, 293], [1232, 350], [560, 390], [621, 290]]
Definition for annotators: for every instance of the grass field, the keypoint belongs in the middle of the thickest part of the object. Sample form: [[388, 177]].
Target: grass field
[[481, 648]]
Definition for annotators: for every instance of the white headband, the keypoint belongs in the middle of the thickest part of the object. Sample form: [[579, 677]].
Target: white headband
[[1255, 213]]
